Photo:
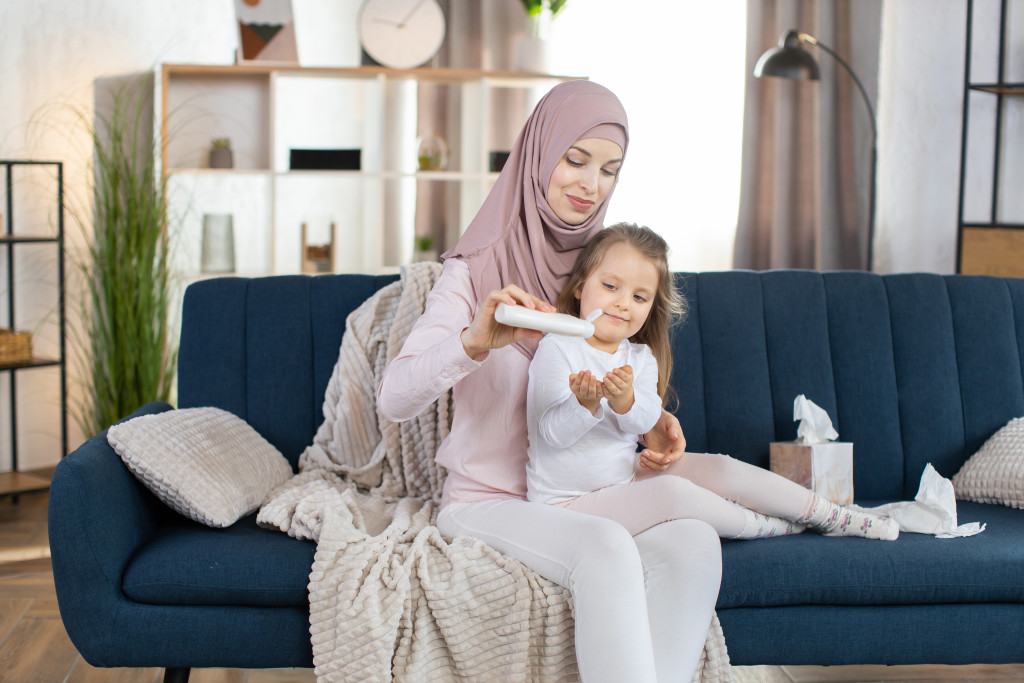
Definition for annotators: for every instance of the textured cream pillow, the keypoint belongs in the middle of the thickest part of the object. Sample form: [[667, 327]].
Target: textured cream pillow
[[995, 474], [206, 463]]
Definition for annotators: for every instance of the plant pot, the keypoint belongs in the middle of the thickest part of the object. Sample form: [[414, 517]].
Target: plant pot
[[221, 158], [531, 54]]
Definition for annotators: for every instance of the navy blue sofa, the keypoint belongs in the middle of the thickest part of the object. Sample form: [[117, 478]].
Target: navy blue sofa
[[912, 369]]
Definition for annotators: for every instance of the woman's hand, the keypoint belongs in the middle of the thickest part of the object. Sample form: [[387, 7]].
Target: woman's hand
[[486, 333], [618, 389], [587, 389], [665, 444]]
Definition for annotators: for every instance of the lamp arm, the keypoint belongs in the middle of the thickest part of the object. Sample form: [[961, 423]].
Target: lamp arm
[[807, 38]]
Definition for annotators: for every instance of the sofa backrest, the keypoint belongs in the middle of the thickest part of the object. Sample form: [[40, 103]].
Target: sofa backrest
[[264, 348], [911, 368]]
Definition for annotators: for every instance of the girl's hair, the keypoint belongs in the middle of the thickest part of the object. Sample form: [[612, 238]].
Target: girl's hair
[[668, 308]]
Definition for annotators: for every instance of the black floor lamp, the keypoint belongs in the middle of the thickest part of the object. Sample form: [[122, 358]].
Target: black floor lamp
[[790, 60]]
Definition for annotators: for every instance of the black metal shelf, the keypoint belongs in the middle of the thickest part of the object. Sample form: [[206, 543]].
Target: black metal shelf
[[998, 88], [1004, 253], [997, 225], [33, 363], [15, 239], [15, 482]]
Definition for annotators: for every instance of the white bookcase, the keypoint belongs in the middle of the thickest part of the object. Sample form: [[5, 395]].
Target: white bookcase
[[267, 111]]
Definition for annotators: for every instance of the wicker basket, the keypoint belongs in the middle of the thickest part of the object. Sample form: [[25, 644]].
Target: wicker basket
[[15, 347]]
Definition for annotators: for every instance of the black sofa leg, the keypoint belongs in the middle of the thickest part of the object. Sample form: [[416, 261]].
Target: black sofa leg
[[176, 674]]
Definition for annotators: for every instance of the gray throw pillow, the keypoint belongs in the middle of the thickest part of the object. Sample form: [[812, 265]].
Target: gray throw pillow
[[206, 463], [995, 474]]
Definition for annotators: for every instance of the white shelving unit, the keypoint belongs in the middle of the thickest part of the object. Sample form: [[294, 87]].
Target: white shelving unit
[[267, 111]]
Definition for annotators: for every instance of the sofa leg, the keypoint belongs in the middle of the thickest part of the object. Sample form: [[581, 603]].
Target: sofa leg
[[176, 674]]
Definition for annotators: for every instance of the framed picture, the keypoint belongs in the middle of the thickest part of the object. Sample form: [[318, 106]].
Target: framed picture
[[266, 31]]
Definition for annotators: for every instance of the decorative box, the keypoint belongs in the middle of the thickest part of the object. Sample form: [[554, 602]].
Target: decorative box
[[826, 468], [15, 347]]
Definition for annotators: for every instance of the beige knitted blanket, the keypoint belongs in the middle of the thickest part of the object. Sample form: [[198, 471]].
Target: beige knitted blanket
[[389, 597]]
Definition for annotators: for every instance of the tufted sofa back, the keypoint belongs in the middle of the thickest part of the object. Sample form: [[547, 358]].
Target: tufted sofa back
[[911, 368]]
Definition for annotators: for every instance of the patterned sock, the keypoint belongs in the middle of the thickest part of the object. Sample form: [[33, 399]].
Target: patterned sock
[[765, 526], [831, 519]]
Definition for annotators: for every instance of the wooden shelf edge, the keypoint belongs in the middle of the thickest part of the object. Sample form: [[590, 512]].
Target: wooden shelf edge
[[421, 73], [14, 483]]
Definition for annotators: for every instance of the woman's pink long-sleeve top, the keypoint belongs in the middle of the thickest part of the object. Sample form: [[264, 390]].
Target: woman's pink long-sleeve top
[[485, 453]]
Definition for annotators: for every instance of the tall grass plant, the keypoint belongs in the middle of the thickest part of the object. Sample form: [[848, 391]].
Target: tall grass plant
[[128, 354]]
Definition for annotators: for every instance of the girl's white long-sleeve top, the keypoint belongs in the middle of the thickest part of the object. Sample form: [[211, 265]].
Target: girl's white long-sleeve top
[[571, 451]]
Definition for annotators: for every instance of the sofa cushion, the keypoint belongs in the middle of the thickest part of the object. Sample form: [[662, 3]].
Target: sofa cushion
[[205, 463], [189, 564], [809, 569], [995, 474]]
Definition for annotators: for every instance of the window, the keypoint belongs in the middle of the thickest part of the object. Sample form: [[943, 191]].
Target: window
[[679, 69]]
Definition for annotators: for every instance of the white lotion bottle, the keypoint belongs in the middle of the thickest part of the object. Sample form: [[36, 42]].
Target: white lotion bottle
[[558, 323]]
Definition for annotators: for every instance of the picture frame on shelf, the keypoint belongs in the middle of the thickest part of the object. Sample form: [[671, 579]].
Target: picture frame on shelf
[[266, 32]]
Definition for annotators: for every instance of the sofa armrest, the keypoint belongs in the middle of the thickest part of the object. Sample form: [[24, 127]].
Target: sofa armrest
[[99, 515]]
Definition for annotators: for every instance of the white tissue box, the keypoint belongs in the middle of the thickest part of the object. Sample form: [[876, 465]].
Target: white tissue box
[[825, 468]]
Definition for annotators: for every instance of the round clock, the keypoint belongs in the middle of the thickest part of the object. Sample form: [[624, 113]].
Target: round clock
[[401, 34]]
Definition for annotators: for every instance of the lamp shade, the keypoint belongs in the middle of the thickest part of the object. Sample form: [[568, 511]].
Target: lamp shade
[[788, 60]]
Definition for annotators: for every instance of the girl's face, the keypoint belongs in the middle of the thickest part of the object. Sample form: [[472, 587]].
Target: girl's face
[[583, 179], [623, 285]]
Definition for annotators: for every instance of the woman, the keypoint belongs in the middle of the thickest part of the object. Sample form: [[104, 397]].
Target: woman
[[549, 199]]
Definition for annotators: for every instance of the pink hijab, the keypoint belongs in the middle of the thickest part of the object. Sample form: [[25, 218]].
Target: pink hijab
[[516, 238]]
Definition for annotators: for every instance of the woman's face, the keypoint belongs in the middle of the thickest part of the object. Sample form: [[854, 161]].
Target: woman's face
[[583, 179]]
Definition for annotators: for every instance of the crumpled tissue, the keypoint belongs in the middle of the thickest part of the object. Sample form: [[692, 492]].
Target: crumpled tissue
[[815, 424], [933, 510]]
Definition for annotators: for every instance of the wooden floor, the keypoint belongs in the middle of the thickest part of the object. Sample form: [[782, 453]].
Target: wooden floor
[[34, 646]]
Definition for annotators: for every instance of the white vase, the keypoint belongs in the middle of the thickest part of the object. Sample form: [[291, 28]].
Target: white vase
[[531, 54], [218, 254], [531, 48]]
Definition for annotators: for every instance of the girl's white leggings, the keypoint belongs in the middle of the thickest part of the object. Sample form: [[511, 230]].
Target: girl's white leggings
[[705, 486], [642, 604]]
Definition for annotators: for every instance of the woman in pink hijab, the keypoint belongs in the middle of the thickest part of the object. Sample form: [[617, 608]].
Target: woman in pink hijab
[[548, 201]]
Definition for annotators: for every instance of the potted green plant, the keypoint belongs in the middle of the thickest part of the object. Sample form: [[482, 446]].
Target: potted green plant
[[124, 345], [425, 248], [220, 153]]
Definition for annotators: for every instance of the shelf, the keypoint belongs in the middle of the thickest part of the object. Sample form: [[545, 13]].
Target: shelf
[[268, 110], [368, 175], [999, 88], [994, 226], [15, 483], [34, 363], [12, 239], [445, 75]]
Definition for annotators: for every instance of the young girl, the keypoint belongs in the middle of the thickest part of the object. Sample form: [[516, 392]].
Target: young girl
[[589, 399]]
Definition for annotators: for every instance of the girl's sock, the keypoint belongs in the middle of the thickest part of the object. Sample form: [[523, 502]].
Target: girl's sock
[[765, 526], [832, 519]]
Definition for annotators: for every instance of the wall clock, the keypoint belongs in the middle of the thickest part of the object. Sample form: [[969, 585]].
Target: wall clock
[[401, 34]]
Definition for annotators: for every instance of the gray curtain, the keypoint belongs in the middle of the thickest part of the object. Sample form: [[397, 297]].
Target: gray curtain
[[806, 166]]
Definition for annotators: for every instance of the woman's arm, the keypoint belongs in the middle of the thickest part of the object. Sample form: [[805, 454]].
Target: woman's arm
[[432, 359], [450, 340], [665, 444]]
